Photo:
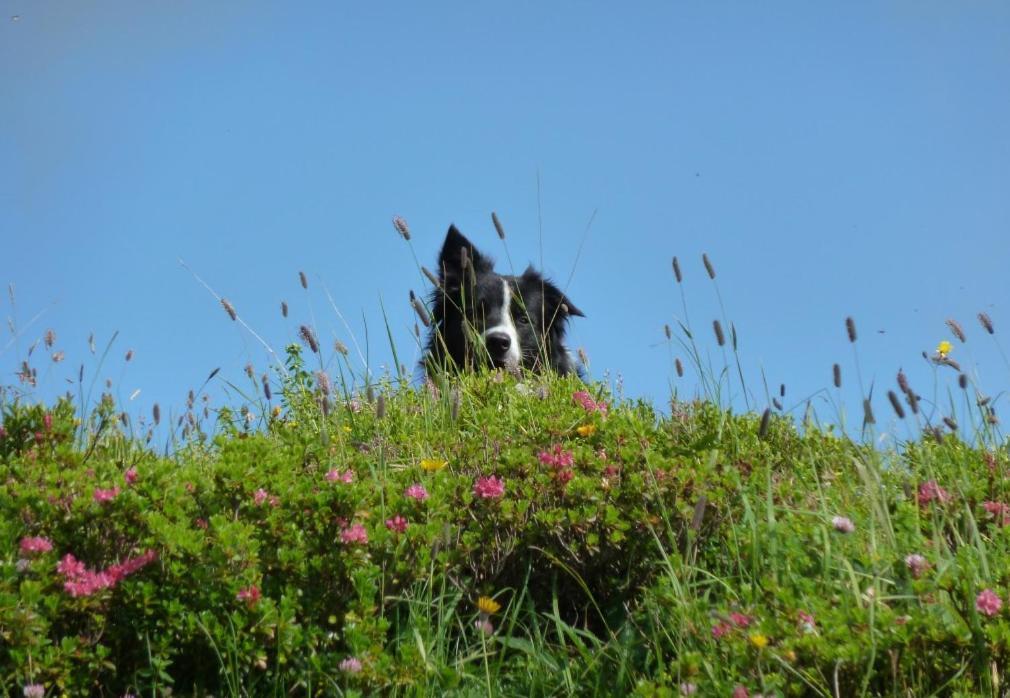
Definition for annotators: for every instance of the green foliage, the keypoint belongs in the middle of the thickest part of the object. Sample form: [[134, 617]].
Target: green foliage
[[630, 552]]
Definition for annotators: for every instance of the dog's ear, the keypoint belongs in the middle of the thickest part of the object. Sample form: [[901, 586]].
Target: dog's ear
[[556, 302], [450, 261]]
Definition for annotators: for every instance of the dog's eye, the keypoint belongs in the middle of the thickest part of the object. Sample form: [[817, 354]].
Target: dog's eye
[[521, 317]]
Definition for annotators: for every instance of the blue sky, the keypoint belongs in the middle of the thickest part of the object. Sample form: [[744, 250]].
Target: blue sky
[[833, 160]]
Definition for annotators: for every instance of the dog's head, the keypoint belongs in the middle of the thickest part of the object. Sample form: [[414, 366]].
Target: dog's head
[[484, 318]]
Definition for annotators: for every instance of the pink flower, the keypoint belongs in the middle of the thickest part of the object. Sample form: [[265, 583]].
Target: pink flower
[[843, 524], [740, 692], [917, 564], [557, 457], [489, 487], [586, 401], [34, 690], [36, 545], [485, 626], [130, 476], [720, 629], [930, 491], [564, 476], [397, 524], [688, 689], [347, 477], [807, 622], [740, 620], [988, 602], [351, 665], [355, 533], [998, 511], [47, 421], [260, 496], [80, 581], [101, 496], [251, 595], [417, 491]]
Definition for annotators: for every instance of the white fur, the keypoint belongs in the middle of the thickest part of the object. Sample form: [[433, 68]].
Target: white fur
[[507, 326]]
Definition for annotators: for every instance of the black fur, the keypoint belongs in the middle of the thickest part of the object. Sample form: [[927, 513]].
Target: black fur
[[467, 315]]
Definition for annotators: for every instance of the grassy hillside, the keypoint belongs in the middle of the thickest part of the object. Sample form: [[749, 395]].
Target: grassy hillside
[[495, 535]]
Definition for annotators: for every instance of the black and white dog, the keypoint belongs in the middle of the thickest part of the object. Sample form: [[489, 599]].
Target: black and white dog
[[481, 318]]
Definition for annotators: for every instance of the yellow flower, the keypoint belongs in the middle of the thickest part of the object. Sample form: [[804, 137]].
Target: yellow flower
[[432, 465], [944, 348], [277, 411], [486, 604], [758, 640], [347, 429], [586, 430]]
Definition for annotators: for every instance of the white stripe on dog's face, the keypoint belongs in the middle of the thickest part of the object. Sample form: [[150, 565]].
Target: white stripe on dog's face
[[507, 327]]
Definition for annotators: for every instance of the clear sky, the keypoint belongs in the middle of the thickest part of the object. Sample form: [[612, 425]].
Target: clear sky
[[832, 159]]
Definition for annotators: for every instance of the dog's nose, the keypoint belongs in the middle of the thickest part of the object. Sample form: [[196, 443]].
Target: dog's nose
[[498, 344]]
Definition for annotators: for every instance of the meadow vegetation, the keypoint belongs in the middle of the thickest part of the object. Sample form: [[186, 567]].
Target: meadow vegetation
[[496, 534]]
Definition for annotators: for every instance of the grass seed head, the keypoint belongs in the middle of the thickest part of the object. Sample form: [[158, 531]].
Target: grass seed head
[[680, 368], [401, 227], [229, 308], [956, 329], [310, 338], [896, 404], [497, 225], [868, 413], [719, 336], [903, 382], [421, 311], [962, 381], [986, 323], [284, 309], [850, 328], [156, 414], [340, 347], [708, 266], [766, 418], [676, 271], [303, 280]]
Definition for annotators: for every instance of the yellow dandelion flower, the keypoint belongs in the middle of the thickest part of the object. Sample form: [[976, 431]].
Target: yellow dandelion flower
[[486, 604], [586, 430], [433, 465], [277, 411], [758, 640], [347, 429], [944, 348]]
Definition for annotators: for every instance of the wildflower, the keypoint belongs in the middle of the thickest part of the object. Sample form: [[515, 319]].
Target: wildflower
[[260, 496], [36, 545], [487, 605], [807, 622], [740, 620], [484, 625], [930, 491], [350, 665], [130, 476], [843, 524], [80, 581], [586, 401], [557, 457], [101, 496], [334, 475], [397, 524], [688, 689], [917, 564], [740, 692], [720, 629], [251, 595], [758, 640], [489, 487], [586, 430], [564, 475], [34, 690], [988, 602], [354, 534], [433, 465], [999, 511], [417, 491], [943, 349]]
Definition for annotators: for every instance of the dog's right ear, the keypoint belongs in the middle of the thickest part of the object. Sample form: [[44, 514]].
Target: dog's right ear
[[450, 261]]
